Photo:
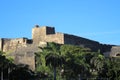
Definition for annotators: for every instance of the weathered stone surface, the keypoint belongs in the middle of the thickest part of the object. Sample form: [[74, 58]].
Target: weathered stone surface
[[115, 51], [23, 49], [0, 44]]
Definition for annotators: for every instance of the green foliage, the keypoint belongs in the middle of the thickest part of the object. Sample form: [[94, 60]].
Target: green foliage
[[70, 61], [21, 72], [4, 62], [41, 63], [49, 59], [111, 69], [12, 71], [76, 61], [97, 62]]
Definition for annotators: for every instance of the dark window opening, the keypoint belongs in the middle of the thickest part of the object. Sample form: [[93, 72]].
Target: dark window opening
[[117, 54]]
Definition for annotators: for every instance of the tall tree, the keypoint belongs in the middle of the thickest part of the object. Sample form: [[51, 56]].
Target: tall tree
[[21, 72], [3, 64], [52, 56], [111, 69], [76, 63], [97, 62]]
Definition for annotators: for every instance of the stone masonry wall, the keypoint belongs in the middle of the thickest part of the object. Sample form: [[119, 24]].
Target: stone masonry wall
[[57, 38], [23, 49], [11, 45], [83, 42], [115, 51], [46, 34], [40, 33], [1, 44], [25, 55]]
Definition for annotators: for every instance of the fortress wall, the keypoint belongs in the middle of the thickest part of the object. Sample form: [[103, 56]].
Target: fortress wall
[[115, 51], [58, 38], [1, 44], [106, 48], [11, 45], [26, 58], [50, 30], [23, 49], [29, 59], [106, 54], [40, 33], [25, 55], [77, 40], [83, 42], [6, 43]]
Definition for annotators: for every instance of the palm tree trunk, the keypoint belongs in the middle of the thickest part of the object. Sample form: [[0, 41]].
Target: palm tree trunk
[[8, 72], [1, 74], [54, 73]]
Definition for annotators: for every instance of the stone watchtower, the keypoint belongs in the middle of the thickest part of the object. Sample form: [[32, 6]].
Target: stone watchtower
[[39, 33]]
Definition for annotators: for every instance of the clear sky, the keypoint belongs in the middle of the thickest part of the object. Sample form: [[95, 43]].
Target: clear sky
[[98, 20]]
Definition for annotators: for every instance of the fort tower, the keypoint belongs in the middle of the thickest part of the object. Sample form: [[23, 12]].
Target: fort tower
[[39, 33]]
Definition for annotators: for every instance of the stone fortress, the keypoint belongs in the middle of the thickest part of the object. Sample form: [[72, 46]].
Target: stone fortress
[[23, 49]]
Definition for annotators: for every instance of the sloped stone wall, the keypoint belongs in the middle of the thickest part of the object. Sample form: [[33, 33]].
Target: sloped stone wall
[[83, 42]]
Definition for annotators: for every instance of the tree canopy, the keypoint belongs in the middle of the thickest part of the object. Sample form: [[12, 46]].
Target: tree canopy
[[63, 62], [75, 62]]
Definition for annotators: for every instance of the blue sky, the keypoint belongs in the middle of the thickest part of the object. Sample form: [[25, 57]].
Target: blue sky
[[98, 20]]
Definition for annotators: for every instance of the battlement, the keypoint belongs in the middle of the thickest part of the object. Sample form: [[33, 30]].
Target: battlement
[[7, 44]]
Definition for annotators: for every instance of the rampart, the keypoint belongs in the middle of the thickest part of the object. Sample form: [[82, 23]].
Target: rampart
[[83, 42], [23, 49]]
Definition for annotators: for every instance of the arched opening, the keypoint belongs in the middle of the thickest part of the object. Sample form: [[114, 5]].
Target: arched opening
[[118, 54]]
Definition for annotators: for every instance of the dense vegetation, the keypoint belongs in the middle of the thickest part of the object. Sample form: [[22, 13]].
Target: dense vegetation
[[63, 62], [10, 71]]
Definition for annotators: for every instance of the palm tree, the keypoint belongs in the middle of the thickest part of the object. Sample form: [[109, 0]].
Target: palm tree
[[54, 61], [97, 62], [52, 56], [2, 59], [76, 63], [4, 63], [21, 72]]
